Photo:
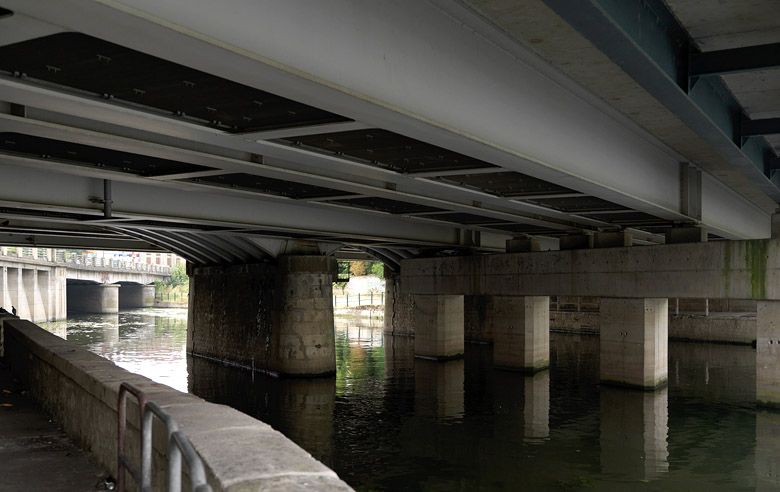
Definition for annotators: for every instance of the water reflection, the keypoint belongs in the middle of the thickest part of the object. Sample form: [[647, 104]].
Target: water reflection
[[388, 421], [151, 341], [634, 430]]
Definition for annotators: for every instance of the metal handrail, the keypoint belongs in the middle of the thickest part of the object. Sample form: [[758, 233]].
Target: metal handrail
[[178, 445], [122, 462]]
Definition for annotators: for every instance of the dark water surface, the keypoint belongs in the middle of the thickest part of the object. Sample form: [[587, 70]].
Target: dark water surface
[[388, 421]]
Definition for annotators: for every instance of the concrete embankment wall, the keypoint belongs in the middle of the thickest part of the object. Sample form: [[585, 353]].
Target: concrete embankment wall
[[80, 390]]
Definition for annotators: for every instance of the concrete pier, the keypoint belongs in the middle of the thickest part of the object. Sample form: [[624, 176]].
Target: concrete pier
[[634, 342], [521, 330], [93, 298], [276, 318], [398, 306], [438, 326], [133, 296], [768, 353]]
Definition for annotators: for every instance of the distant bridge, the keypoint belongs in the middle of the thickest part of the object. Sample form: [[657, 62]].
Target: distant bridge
[[39, 284]]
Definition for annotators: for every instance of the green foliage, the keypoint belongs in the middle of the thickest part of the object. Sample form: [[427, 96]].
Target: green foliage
[[178, 276], [377, 268]]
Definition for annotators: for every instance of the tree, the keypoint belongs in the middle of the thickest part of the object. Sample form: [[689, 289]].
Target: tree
[[178, 276], [357, 268], [377, 268]]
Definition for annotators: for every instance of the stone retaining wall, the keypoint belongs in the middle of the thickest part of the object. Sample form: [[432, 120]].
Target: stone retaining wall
[[80, 389]]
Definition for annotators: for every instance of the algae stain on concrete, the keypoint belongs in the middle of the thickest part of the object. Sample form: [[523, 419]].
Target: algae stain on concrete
[[727, 267], [755, 261]]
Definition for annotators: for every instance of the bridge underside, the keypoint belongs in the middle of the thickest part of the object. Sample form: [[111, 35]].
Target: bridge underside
[[259, 135], [240, 140]]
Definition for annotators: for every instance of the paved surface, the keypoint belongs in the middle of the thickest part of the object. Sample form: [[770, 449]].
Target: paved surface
[[35, 454]]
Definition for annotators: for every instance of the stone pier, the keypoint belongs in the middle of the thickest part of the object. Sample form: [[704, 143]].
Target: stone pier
[[93, 298], [398, 306], [272, 317], [634, 342], [133, 296], [438, 326]]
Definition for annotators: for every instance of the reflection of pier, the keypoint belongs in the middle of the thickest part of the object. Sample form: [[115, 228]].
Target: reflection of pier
[[364, 331], [634, 428]]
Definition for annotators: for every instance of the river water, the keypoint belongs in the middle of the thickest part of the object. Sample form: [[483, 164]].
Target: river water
[[388, 421]]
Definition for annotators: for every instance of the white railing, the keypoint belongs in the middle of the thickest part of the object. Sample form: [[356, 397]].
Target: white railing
[[360, 299], [82, 261]]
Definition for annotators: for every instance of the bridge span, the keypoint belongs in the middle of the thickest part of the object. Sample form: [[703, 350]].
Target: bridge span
[[489, 152], [44, 287]]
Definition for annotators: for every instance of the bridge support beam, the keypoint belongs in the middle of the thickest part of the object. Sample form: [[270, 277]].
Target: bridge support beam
[[521, 332], [93, 298], [275, 318], [634, 342], [133, 296], [438, 326], [768, 353]]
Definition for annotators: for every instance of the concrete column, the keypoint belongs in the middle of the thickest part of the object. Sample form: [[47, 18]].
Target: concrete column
[[634, 428], [398, 306], [58, 293], [438, 388], [521, 332], [5, 296], [93, 298], [276, 318], [134, 296], [768, 353], [40, 296], [438, 326], [634, 342]]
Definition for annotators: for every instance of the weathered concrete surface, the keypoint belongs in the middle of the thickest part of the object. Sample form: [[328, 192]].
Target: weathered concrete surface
[[93, 298], [438, 326], [80, 389], [721, 270], [738, 328], [276, 318], [768, 354], [729, 320], [581, 322], [634, 342], [30, 442], [398, 306], [132, 296], [37, 292], [476, 325], [521, 331]]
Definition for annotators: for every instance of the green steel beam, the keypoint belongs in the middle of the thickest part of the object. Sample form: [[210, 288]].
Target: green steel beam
[[649, 44]]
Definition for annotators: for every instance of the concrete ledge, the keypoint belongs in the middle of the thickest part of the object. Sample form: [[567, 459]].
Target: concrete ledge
[[80, 389]]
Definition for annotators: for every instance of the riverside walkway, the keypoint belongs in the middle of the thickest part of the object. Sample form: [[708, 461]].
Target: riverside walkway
[[35, 454]]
